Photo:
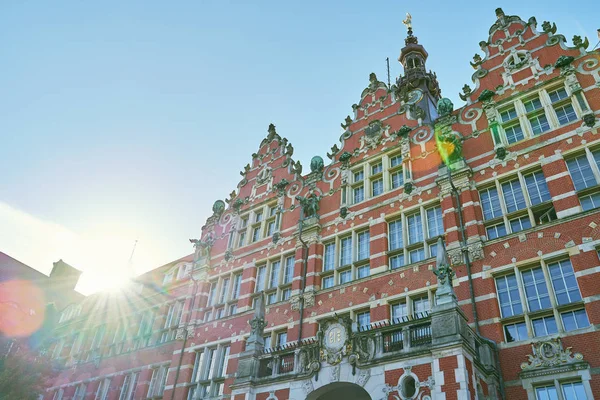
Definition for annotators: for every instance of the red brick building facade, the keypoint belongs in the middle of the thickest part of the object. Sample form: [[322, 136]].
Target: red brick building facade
[[325, 284]]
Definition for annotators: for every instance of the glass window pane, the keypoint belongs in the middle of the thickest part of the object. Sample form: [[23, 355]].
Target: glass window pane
[[399, 311], [536, 291], [581, 172], [289, 269], [508, 296], [346, 251], [397, 179], [514, 133], [397, 261], [546, 393], [435, 225], [274, 279], [558, 95], [363, 272], [359, 194], [329, 261], [565, 114], [377, 187], [544, 326], [395, 235], [490, 202], [415, 229], [574, 320], [496, 231], [395, 161], [539, 124], [417, 255], [519, 224], [508, 115], [363, 245], [345, 277], [590, 202], [537, 187], [327, 282], [513, 195], [573, 391], [564, 282]]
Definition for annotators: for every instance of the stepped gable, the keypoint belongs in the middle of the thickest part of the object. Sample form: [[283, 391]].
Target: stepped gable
[[516, 55], [271, 172]]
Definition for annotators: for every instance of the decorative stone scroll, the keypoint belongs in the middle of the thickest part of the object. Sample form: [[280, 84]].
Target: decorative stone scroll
[[550, 353]]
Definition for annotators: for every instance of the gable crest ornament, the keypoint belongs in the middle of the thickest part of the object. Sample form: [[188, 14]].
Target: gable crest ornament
[[549, 355]]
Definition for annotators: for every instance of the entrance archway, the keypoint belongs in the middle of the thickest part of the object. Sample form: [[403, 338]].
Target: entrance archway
[[339, 390]]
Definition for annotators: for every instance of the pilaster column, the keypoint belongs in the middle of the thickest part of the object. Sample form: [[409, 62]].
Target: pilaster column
[[378, 245]]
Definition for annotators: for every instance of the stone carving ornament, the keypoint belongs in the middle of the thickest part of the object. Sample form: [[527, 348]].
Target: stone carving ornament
[[550, 353], [409, 387], [310, 205]]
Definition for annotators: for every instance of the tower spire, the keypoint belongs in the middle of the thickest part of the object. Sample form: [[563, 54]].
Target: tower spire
[[417, 88]]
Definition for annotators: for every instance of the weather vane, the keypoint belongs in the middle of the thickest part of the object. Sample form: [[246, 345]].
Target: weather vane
[[408, 22]]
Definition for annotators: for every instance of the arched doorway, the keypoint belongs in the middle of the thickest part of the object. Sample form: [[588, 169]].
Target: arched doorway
[[340, 390]]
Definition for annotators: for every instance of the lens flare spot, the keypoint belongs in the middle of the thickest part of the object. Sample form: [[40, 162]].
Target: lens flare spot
[[22, 308]]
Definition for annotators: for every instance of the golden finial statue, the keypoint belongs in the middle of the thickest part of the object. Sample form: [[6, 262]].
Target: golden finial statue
[[408, 21]]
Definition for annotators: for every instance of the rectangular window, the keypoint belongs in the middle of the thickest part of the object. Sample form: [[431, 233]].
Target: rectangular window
[[564, 282], [363, 245], [558, 94], [496, 231], [395, 235], [359, 194], [513, 195], [260, 278], [573, 391], [255, 234], [490, 202], [421, 306], [346, 251], [397, 179], [274, 279], [237, 283], [537, 188], [508, 296], [363, 272], [288, 273], [435, 225], [258, 216], [415, 229], [376, 168], [345, 276], [377, 187], [395, 161], [329, 257], [272, 298], [544, 326], [359, 176], [536, 291], [515, 332], [267, 342], [224, 291], [327, 282], [590, 202], [81, 389], [508, 115], [102, 392], [539, 124], [397, 261], [285, 294], [417, 255], [363, 320], [574, 320], [271, 228], [532, 105], [220, 313], [514, 133], [581, 172], [281, 339], [242, 239], [546, 393], [399, 312], [565, 114], [519, 224], [221, 366], [128, 388], [232, 309], [58, 395]]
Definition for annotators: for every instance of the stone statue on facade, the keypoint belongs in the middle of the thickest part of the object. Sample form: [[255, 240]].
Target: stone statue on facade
[[310, 205], [444, 273]]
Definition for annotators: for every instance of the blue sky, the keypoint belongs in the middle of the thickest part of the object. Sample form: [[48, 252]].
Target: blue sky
[[127, 120]]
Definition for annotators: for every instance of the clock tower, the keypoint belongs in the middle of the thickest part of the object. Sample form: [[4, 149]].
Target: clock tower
[[417, 89]]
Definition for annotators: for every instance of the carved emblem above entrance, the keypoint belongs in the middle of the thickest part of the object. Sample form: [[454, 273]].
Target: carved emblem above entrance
[[335, 343]]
